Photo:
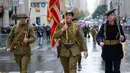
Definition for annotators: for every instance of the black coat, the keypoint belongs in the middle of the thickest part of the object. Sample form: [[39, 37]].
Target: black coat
[[113, 52]]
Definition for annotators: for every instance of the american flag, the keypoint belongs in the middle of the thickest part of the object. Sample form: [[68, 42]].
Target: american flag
[[53, 14]]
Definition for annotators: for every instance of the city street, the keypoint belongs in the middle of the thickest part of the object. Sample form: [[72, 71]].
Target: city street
[[50, 20], [44, 60]]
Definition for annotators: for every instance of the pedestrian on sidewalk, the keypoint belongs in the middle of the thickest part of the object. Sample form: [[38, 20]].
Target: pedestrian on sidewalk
[[48, 29], [71, 43], [109, 38], [40, 35], [23, 35]]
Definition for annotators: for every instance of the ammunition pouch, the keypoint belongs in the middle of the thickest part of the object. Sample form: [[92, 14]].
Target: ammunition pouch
[[111, 42], [68, 46]]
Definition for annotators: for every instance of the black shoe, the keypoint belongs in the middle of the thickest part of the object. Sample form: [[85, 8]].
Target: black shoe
[[79, 69], [79, 66]]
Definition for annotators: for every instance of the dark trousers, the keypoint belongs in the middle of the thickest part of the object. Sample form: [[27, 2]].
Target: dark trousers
[[112, 66]]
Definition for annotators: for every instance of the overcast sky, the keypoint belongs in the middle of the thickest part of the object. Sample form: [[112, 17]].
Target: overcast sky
[[92, 4]]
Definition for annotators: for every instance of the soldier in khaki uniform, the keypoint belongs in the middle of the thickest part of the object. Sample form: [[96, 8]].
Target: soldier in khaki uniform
[[93, 32], [22, 51], [70, 50]]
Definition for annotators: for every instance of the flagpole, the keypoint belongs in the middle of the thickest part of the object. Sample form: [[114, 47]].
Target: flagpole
[[65, 18]]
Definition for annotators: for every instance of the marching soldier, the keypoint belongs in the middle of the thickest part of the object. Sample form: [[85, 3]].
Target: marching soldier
[[75, 20], [71, 39], [109, 38], [86, 31], [93, 32], [23, 35]]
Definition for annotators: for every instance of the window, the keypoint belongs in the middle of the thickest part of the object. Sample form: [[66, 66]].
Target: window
[[38, 22]]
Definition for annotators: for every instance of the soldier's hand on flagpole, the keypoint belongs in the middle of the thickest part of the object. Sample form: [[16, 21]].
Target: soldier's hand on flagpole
[[85, 54], [121, 38], [65, 27], [101, 44]]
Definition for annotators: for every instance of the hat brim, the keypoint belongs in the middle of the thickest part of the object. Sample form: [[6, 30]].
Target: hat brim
[[70, 13], [22, 17], [110, 12]]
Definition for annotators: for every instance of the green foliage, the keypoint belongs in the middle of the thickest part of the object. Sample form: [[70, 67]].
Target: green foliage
[[78, 14], [101, 9]]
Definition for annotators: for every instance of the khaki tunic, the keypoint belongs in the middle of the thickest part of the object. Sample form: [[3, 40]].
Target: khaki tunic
[[75, 50], [22, 49]]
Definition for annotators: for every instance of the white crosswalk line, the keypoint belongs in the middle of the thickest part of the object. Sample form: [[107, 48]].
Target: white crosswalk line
[[35, 72], [49, 72], [14, 72], [39, 72]]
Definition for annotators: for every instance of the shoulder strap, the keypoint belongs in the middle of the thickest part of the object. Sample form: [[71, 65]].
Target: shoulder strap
[[74, 28], [76, 40], [105, 31], [15, 40]]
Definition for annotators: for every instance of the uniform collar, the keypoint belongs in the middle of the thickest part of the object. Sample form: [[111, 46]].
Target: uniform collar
[[69, 23], [21, 25]]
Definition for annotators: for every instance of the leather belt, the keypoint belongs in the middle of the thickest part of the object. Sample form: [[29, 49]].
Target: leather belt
[[111, 42]]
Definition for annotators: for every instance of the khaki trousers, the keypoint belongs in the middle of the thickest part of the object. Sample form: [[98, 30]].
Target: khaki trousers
[[22, 61], [69, 63]]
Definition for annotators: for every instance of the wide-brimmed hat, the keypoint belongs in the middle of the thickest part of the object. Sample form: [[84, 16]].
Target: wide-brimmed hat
[[110, 12], [70, 12], [22, 16]]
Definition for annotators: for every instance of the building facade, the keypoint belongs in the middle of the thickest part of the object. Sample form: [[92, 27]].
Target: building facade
[[38, 11], [123, 7], [123, 4], [9, 9]]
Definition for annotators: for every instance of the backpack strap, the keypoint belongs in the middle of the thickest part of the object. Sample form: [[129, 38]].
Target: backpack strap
[[74, 27]]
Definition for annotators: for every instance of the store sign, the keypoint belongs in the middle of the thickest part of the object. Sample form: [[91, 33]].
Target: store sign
[[43, 4], [35, 4], [38, 4], [15, 3]]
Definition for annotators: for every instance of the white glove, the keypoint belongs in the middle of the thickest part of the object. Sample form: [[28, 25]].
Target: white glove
[[7, 50]]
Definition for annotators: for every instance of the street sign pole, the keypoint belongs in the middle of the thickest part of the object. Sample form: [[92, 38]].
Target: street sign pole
[[15, 5], [15, 14]]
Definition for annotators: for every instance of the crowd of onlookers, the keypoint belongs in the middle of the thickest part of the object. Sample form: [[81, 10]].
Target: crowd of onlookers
[[42, 32]]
